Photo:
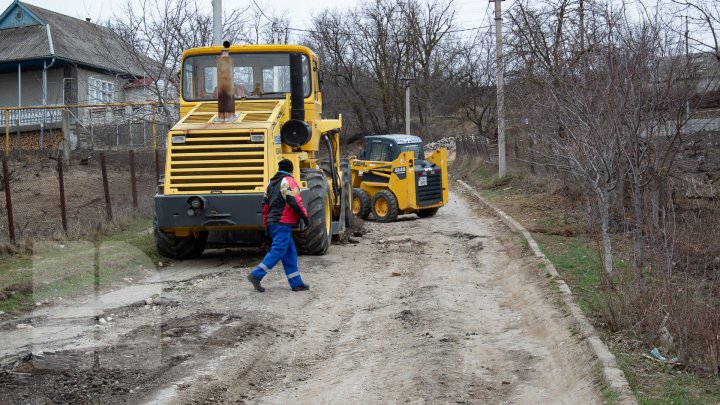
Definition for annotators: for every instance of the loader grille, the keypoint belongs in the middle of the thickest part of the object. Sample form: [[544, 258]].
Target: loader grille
[[432, 192], [217, 157], [217, 162]]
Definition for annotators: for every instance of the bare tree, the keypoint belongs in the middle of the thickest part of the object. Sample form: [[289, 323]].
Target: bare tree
[[475, 74], [369, 50], [155, 34]]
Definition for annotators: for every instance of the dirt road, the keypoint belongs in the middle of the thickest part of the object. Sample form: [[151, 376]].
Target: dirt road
[[440, 310]]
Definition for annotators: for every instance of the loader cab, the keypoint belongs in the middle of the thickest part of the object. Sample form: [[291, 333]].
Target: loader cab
[[260, 72], [259, 75], [386, 148]]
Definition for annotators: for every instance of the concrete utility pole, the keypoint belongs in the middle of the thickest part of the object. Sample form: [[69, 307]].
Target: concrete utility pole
[[407, 108], [217, 22], [500, 88], [407, 81]]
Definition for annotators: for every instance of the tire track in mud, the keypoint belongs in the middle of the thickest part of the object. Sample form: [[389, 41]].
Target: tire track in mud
[[442, 310]]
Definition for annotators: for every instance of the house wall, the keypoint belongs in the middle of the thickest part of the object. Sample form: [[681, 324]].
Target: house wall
[[31, 88]]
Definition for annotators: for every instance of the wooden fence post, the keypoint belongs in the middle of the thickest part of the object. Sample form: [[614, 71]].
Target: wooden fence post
[[133, 185], [61, 181], [8, 201], [106, 188]]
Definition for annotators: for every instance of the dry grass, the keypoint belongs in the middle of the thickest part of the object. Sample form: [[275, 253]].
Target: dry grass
[[681, 290]]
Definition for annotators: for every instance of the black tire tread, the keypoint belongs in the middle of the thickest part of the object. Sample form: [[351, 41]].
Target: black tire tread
[[347, 196], [393, 209], [364, 202], [173, 247], [314, 240]]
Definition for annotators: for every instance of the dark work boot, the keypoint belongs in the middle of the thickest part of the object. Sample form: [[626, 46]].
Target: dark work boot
[[256, 283], [302, 287]]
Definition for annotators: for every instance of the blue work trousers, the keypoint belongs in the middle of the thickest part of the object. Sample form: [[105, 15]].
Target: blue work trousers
[[282, 249]]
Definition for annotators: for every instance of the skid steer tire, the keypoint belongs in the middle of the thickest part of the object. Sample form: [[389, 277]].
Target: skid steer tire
[[179, 248], [427, 213], [347, 193], [315, 239], [360, 203], [384, 206]]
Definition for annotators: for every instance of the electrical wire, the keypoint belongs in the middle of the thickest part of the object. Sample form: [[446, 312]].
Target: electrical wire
[[364, 35], [389, 34]]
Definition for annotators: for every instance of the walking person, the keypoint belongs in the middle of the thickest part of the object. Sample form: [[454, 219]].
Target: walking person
[[282, 210]]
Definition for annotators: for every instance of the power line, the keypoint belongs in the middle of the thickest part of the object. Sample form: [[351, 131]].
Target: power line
[[386, 35], [262, 12], [362, 35]]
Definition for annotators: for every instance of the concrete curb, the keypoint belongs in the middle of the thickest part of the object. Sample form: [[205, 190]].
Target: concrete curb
[[613, 376]]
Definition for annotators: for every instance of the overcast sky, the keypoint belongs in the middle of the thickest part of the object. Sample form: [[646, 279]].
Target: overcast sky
[[471, 13]]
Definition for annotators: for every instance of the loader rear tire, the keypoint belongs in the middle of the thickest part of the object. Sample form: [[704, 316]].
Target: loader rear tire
[[315, 239], [360, 203], [179, 248], [385, 206], [347, 193], [427, 213]]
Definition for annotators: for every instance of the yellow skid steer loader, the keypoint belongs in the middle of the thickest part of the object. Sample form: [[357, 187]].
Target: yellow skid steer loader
[[392, 176]]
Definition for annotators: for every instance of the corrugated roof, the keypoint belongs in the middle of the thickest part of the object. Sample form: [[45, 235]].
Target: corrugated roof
[[73, 40], [24, 43]]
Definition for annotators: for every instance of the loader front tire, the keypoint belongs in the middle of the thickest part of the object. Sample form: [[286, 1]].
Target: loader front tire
[[360, 203], [385, 206], [179, 248], [315, 239]]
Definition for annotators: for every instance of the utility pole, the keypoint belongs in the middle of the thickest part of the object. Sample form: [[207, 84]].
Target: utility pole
[[500, 89], [407, 81], [217, 39]]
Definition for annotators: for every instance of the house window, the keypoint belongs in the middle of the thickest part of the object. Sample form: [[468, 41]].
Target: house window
[[100, 91]]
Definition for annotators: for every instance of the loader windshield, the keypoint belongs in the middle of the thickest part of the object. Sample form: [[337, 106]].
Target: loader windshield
[[255, 75], [416, 149]]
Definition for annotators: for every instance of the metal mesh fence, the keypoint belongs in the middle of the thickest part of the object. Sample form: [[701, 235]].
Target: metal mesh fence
[[51, 198], [87, 127]]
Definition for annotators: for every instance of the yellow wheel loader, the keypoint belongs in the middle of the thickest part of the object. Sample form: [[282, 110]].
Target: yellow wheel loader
[[392, 176], [244, 108]]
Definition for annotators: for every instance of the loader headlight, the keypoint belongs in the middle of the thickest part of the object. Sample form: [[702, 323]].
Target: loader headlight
[[257, 138], [191, 212], [179, 139], [196, 203]]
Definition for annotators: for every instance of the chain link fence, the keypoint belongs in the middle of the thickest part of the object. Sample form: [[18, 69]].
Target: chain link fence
[[49, 198], [87, 127]]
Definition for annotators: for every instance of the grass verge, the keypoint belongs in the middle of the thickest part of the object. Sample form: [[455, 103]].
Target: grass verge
[[54, 270], [559, 225]]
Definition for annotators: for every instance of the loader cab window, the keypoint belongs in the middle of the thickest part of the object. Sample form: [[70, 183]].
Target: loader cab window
[[255, 76], [379, 151], [417, 150]]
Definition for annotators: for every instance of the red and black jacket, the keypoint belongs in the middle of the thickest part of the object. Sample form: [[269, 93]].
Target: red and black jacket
[[282, 204]]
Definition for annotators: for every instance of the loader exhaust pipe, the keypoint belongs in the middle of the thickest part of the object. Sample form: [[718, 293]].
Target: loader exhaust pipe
[[297, 95], [225, 85], [296, 132]]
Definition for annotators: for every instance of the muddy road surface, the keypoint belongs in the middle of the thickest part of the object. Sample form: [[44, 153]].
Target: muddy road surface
[[448, 309]]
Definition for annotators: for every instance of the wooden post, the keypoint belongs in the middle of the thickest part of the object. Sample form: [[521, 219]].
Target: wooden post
[[8, 201], [7, 133], [61, 181], [133, 185], [106, 188], [157, 166]]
